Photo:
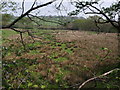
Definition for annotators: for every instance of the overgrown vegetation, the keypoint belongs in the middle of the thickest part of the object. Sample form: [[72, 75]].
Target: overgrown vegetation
[[37, 58], [72, 23], [53, 62], [89, 24]]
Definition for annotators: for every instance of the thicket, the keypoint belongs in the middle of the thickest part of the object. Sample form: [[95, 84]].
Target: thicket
[[83, 24], [46, 22], [89, 24]]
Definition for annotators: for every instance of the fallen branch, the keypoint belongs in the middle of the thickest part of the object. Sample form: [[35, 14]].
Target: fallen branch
[[94, 78]]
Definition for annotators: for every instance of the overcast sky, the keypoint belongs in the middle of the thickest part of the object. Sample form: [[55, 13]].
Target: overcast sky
[[60, 0], [50, 10]]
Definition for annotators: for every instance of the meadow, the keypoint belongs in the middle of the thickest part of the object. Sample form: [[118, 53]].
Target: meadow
[[59, 59]]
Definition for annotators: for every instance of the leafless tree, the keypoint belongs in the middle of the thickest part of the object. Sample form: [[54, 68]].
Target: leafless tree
[[24, 14], [109, 14], [80, 6]]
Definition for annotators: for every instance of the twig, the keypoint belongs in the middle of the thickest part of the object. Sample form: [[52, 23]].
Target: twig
[[58, 7], [21, 36], [23, 7], [30, 34], [58, 22], [34, 21], [94, 78], [23, 79], [26, 13], [34, 3]]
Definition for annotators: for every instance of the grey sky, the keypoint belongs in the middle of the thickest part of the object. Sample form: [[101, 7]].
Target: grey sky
[[50, 10], [60, 0]]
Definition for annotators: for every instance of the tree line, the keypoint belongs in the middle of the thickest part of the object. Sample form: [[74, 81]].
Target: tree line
[[73, 23]]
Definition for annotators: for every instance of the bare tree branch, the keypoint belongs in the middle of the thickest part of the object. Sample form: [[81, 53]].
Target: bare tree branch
[[22, 41], [23, 7], [32, 36], [34, 3], [20, 31], [30, 10], [60, 23], [95, 10], [94, 78], [34, 21], [104, 15], [58, 7], [92, 13], [21, 36]]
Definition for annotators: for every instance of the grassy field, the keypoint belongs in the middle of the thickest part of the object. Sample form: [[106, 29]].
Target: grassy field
[[8, 33], [59, 59]]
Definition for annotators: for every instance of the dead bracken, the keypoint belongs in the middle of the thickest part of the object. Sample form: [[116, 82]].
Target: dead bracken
[[70, 57]]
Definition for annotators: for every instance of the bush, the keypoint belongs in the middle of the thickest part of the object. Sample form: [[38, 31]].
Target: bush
[[90, 25], [6, 19]]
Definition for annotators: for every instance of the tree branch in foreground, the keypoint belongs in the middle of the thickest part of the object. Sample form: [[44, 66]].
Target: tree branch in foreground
[[94, 78], [21, 36], [57, 22], [26, 13]]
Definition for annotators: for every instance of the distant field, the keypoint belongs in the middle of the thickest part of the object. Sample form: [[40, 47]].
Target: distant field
[[58, 59]]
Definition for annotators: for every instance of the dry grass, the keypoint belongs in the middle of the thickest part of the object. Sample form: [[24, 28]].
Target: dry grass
[[91, 52], [90, 44]]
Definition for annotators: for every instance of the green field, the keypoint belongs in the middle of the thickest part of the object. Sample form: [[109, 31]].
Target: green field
[[7, 33], [58, 59]]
